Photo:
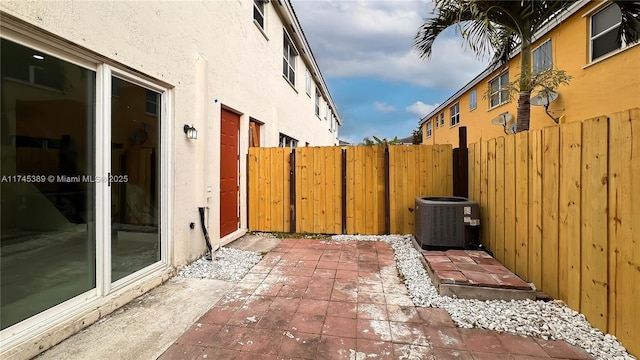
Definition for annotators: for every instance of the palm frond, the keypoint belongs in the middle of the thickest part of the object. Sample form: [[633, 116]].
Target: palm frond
[[449, 13], [629, 30]]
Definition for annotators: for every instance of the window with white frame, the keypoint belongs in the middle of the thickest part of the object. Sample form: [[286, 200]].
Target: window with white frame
[[604, 31], [317, 102], [455, 114], [326, 110], [288, 141], [499, 94], [473, 99], [429, 129], [442, 119], [289, 59], [258, 12], [542, 60], [307, 77]]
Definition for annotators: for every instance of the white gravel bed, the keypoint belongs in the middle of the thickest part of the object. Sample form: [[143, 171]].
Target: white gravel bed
[[227, 264], [548, 320]]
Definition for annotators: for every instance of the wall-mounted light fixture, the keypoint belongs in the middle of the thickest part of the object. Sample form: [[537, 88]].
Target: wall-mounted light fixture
[[191, 132]]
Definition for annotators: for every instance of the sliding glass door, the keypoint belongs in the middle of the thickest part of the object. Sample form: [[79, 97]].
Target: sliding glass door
[[135, 190], [81, 180], [47, 236]]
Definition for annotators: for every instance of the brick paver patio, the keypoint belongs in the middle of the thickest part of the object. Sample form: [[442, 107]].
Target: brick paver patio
[[314, 299]]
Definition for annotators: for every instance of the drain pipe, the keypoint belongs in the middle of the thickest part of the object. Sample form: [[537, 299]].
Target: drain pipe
[[206, 234]]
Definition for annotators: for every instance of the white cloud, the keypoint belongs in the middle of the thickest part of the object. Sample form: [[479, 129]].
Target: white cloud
[[383, 107], [375, 39], [421, 109]]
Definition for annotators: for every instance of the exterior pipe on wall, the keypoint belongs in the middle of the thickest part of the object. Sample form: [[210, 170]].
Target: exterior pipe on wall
[[205, 233]]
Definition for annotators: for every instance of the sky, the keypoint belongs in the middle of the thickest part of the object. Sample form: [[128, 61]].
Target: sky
[[364, 49]]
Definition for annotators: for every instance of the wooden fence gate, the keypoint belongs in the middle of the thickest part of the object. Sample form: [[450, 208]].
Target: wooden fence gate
[[344, 190]]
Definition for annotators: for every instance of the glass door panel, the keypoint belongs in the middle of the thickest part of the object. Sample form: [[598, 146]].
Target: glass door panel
[[135, 178], [47, 236]]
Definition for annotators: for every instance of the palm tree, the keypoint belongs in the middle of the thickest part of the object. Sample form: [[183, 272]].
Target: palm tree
[[500, 26]]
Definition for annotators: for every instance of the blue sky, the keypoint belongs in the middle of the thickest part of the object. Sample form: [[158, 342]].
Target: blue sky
[[365, 51]]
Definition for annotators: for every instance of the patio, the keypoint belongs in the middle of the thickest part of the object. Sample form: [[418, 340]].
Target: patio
[[318, 299]]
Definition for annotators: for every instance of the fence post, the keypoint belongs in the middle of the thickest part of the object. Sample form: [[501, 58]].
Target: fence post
[[387, 193], [344, 191], [461, 165], [247, 187], [292, 190]]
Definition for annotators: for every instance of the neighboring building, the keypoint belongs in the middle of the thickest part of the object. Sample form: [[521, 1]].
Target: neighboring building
[[581, 41], [130, 117], [406, 141]]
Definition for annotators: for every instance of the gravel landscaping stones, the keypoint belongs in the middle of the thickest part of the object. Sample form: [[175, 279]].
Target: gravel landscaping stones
[[547, 320], [227, 264]]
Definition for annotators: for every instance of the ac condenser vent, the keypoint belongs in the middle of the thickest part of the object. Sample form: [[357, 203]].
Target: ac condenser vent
[[444, 221]]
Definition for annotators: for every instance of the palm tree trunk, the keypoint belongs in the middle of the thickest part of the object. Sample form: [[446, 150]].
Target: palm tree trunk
[[524, 111], [524, 106]]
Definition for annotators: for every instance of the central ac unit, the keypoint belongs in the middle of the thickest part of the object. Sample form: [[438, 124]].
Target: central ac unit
[[446, 222]]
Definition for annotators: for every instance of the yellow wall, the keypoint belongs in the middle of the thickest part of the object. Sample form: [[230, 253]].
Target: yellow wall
[[602, 87]]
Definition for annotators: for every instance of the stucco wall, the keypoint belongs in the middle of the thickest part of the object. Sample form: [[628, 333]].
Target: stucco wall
[[212, 55]]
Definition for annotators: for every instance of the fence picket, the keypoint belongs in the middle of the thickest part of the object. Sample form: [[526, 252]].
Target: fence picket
[[593, 296], [522, 204], [484, 181], [569, 232], [499, 196], [491, 193], [535, 208], [550, 199], [510, 203], [624, 212]]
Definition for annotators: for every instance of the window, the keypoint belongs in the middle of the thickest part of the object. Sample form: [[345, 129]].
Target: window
[[429, 129], [473, 99], [332, 127], [308, 82], [254, 132], [287, 141], [289, 59], [604, 29], [499, 91], [326, 110], [442, 119], [258, 12], [317, 102], [542, 58], [151, 104], [455, 114]]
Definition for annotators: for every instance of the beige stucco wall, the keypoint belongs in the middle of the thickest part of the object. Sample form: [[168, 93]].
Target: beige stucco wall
[[212, 47], [210, 54]]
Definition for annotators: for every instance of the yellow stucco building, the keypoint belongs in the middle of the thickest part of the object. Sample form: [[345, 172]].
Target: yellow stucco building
[[581, 41]]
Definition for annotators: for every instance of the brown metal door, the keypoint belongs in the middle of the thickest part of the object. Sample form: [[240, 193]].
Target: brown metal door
[[229, 184]]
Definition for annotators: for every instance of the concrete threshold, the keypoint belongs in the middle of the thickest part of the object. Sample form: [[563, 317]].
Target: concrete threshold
[[147, 326]]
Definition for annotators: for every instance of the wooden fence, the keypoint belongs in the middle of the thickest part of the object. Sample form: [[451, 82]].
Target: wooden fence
[[351, 190], [559, 207]]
